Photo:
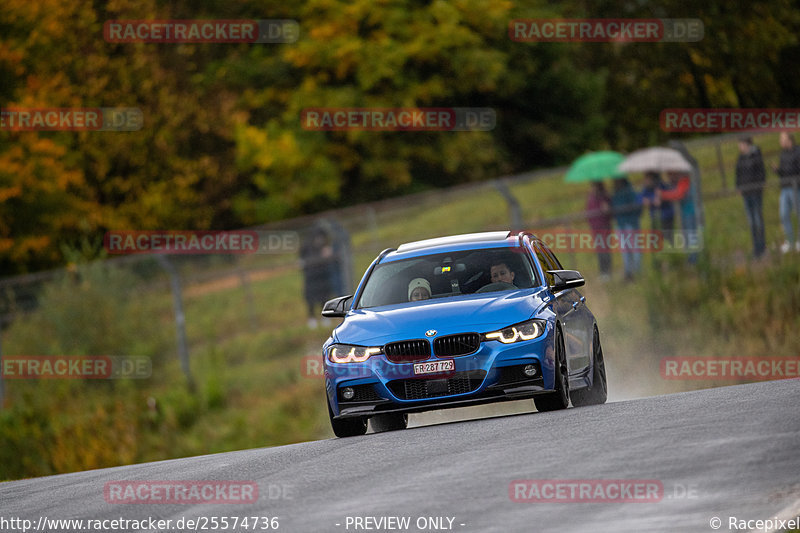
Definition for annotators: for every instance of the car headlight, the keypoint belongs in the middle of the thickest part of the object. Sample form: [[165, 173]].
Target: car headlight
[[347, 353], [524, 331]]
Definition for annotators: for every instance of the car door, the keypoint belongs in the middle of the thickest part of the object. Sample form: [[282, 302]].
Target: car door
[[581, 323]]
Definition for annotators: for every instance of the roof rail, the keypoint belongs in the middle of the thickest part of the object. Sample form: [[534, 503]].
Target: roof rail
[[455, 239]]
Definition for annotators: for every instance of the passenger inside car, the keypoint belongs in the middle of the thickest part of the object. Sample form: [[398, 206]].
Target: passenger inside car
[[419, 289]]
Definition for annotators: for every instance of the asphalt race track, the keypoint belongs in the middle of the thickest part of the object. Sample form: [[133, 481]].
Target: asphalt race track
[[724, 452]]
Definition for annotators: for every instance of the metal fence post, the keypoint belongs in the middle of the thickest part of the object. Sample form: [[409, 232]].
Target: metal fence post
[[721, 165], [180, 317], [2, 388], [514, 210], [372, 224], [248, 297]]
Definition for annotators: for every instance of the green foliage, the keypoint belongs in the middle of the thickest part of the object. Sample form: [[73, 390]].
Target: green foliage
[[249, 382], [91, 310], [739, 63], [95, 431], [750, 310], [222, 145]]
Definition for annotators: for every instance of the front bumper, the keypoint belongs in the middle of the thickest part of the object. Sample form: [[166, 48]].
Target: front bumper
[[492, 374]]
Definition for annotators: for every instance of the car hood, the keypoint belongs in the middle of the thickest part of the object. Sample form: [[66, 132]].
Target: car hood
[[458, 314]]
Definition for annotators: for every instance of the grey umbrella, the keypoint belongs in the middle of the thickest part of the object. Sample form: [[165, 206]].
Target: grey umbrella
[[655, 159]]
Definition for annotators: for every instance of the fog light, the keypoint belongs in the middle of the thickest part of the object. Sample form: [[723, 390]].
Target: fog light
[[348, 393], [529, 370]]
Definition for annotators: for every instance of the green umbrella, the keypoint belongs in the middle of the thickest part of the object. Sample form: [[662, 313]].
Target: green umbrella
[[595, 166]]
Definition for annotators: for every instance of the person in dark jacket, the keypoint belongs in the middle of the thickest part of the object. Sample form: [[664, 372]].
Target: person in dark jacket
[[750, 178], [598, 213], [318, 260], [627, 210], [789, 172]]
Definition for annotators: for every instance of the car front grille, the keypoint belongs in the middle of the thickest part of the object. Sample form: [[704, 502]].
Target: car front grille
[[421, 389], [408, 351], [455, 345]]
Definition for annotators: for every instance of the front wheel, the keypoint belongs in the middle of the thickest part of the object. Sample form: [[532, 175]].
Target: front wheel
[[560, 398], [597, 393], [347, 427]]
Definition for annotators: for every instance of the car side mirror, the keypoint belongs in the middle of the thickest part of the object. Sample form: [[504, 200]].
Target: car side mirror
[[565, 279], [337, 308]]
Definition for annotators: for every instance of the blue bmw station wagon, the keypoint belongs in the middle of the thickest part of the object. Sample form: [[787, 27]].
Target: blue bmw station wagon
[[458, 321]]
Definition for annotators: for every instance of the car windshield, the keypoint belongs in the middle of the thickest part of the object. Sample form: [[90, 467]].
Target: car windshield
[[446, 275]]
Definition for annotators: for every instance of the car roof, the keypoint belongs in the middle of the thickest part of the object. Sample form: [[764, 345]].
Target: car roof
[[488, 239]]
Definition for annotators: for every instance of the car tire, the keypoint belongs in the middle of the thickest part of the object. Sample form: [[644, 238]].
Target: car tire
[[389, 422], [347, 427], [560, 398], [597, 393]]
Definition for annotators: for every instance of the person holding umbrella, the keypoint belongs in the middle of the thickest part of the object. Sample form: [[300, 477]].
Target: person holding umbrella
[[595, 167], [662, 215], [658, 196]]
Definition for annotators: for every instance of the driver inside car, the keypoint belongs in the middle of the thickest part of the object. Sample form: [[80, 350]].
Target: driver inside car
[[501, 273]]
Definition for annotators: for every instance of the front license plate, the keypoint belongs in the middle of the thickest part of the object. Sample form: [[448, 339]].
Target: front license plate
[[434, 367]]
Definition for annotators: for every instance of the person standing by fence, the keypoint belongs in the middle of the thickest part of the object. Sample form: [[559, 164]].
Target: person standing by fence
[[598, 213], [750, 178], [318, 263], [681, 192], [627, 211], [789, 172]]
